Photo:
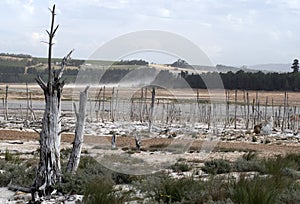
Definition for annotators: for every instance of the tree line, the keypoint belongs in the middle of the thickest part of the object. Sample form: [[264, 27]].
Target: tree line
[[250, 81]]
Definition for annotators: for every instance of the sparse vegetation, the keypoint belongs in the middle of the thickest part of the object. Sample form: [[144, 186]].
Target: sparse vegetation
[[180, 167], [275, 182], [217, 166]]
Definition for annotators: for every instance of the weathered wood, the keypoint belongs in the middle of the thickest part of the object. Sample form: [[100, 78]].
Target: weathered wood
[[27, 100], [103, 107], [112, 104], [138, 142], [113, 141], [5, 103], [141, 105], [248, 112], [235, 108], [79, 132], [49, 168], [283, 126], [152, 109]]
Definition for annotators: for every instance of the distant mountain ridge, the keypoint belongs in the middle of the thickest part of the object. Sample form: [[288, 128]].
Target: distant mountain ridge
[[272, 67]]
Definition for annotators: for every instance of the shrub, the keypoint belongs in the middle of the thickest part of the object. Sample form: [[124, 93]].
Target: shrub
[[89, 170], [165, 189], [248, 162], [101, 191], [276, 166], [180, 167], [243, 165], [65, 153], [217, 166], [290, 195], [17, 174], [256, 190]]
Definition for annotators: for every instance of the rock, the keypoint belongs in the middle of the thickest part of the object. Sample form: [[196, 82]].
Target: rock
[[264, 128], [5, 195]]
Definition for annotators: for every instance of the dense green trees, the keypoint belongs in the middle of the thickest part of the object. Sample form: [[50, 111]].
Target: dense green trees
[[251, 81]]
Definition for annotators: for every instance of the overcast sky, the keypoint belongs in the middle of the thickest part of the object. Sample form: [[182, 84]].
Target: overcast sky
[[231, 32]]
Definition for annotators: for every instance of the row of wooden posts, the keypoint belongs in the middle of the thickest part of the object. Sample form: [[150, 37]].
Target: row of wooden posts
[[145, 107]]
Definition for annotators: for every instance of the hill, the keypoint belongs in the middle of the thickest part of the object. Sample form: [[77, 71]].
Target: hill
[[272, 67]]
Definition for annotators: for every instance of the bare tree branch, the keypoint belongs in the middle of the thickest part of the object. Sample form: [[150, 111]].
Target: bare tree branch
[[75, 110], [35, 130], [41, 83], [50, 76], [62, 131], [63, 64], [55, 30]]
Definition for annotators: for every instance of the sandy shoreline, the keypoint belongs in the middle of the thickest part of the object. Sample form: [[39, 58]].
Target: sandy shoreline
[[154, 143]]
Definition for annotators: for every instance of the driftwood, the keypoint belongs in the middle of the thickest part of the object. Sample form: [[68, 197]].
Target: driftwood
[[79, 132]]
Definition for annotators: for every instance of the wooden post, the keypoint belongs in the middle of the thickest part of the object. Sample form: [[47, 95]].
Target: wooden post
[[145, 112], [273, 109], [141, 105], [266, 108], [279, 115], [113, 141], [284, 112], [248, 112], [152, 108], [98, 101], [103, 107], [138, 142], [27, 99], [112, 104], [235, 108], [91, 116], [208, 116], [227, 108], [5, 102], [79, 132]]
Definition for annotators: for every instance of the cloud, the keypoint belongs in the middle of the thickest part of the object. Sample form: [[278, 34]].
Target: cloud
[[27, 5], [275, 35], [285, 5], [235, 21], [213, 51], [36, 38], [164, 13]]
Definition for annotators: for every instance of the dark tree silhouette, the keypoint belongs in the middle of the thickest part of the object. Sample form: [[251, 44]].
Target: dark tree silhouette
[[295, 66]]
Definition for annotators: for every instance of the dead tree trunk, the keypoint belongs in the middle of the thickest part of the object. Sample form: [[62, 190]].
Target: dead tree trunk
[[113, 141], [152, 109], [235, 108], [78, 140], [49, 168], [5, 103], [27, 99]]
